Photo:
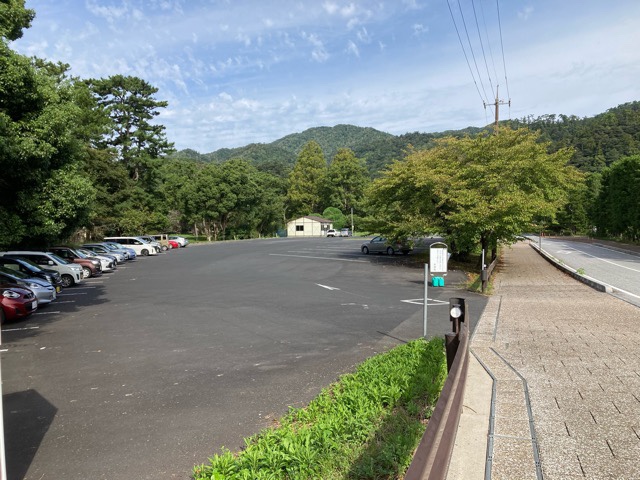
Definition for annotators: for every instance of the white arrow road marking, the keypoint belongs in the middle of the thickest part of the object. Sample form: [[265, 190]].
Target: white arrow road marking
[[420, 301], [366, 307], [327, 287]]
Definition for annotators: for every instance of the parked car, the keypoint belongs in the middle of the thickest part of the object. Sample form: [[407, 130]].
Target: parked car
[[382, 245], [345, 232], [174, 244], [45, 292], [162, 239], [71, 273], [156, 244], [104, 249], [128, 252], [142, 247], [91, 266], [332, 233], [16, 302], [181, 240], [27, 266], [108, 263]]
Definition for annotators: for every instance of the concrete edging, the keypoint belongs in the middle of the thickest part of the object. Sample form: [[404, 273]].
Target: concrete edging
[[591, 282]]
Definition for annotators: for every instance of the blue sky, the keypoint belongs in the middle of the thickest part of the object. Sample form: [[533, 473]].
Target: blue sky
[[241, 71]]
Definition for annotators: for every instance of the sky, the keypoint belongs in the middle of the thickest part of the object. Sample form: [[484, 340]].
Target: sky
[[252, 71]]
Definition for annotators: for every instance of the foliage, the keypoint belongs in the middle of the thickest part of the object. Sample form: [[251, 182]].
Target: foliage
[[130, 104], [346, 181], [486, 189], [617, 209], [307, 180], [14, 18], [337, 218], [366, 425]]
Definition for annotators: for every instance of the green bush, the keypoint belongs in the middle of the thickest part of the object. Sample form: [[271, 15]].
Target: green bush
[[366, 425]]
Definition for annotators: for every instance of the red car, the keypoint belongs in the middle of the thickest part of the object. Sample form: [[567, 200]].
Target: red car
[[16, 302], [174, 244]]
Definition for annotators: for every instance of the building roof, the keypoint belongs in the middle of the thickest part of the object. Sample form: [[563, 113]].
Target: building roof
[[314, 218]]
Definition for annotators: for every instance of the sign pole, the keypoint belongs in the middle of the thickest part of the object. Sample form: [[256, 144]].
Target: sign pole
[[426, 299]]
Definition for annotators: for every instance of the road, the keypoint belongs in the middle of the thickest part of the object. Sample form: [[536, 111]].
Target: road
[[148, 371], [618, 269]]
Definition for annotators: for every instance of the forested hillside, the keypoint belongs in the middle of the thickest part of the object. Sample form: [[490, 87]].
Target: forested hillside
[[598, 141]]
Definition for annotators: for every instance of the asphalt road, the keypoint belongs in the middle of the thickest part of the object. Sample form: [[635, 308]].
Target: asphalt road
[[618, 269], [150, 370]]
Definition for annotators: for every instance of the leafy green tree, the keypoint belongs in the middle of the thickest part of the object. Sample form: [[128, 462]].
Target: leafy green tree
[[347, 179], [483, 190], [130, 104], [14, 18], [618, 211], [306, 180], [336, 216]]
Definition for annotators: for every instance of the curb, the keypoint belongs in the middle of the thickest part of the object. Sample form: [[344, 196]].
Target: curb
[[591, 282]]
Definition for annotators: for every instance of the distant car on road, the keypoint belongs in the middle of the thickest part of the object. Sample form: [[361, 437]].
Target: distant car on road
[[382, 245], [183, 242], [332, 233], [345, 232]]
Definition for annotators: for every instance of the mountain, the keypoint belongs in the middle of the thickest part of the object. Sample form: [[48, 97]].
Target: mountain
[[598, 141]]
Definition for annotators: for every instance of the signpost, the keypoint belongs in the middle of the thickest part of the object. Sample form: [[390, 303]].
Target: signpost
[[438, 258]]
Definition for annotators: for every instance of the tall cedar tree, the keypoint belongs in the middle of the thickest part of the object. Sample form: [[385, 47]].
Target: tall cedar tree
[[306, 180]]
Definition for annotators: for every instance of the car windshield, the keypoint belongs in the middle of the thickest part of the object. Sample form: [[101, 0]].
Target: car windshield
[[14, 273], [33, 266], [86, 252], [113, 246], [58, 259], [80, 254]]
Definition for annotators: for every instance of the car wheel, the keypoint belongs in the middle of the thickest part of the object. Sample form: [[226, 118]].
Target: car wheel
[[86, 272], [145, 252], [390, 251], [67, 280], [164, 248], [365, 250]]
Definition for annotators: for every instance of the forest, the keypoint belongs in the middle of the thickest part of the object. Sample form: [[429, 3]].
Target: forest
[[85, 158]]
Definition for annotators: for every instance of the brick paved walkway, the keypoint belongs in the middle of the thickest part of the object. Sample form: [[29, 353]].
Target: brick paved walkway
[[566, 363]]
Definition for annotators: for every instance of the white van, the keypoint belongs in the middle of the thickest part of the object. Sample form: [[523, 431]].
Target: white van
[[70, 273], [141, 246]]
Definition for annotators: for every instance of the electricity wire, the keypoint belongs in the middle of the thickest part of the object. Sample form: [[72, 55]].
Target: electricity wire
[[464, 52], [475, 15], [464, 23], [504, 63]]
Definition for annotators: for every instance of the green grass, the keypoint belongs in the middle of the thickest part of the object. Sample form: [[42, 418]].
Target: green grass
[[366, 425]]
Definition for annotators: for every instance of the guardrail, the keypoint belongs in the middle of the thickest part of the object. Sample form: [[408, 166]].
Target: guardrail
[[432, 457]]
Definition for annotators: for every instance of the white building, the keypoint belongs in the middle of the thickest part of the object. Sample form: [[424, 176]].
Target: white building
[[309, 226]]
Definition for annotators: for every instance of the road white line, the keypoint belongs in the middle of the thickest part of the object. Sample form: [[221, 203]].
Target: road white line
[[82, 288], [606, 261], [70, 294], [327, 287], [46, 313], [65, 301], [18, 329], [420, 301], [317, 258]]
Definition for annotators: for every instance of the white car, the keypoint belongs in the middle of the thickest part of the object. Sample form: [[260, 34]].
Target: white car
[[70, 273], [183, 242], [332, 233], [108, 264], [142, 247]]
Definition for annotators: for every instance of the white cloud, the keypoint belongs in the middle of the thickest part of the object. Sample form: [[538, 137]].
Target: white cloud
[[352, 49]]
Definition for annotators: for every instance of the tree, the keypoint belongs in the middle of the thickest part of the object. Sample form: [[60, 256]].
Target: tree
[[336, 216], [482, 190], [346, 180], [306, 180], [130, 104], [14, 18]]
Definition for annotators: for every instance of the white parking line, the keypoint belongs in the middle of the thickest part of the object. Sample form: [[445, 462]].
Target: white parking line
[[82, 288], [46, 313], [317, 258], [74, 293], [65, 301], [420, 301], [18, 330]]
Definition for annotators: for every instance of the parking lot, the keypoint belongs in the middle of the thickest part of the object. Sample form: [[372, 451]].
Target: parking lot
[[146, 371]]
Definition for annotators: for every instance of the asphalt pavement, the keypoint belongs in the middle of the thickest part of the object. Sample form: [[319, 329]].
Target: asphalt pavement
[[150, 370]]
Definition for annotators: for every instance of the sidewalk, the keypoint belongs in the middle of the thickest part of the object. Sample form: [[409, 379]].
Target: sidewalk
[[564, 400]]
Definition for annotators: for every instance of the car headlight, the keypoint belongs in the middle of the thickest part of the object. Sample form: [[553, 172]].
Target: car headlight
[[95, 262], [10, 294], [33, 285]]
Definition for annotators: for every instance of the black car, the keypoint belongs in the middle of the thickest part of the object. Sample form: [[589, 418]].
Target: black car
[[27, 266]]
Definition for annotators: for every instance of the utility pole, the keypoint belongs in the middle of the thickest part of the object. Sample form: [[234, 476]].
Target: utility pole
[[497, 104]]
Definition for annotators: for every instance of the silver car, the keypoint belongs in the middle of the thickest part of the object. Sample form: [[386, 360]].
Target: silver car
[[382, 245], [43, 290]]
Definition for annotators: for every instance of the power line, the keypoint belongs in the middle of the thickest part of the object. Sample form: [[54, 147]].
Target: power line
[[504, 63], [486, 31], [475, 15], [464, 23], [464, 52]]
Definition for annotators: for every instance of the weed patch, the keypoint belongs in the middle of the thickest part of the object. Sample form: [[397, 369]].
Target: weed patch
[[366, 425]]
